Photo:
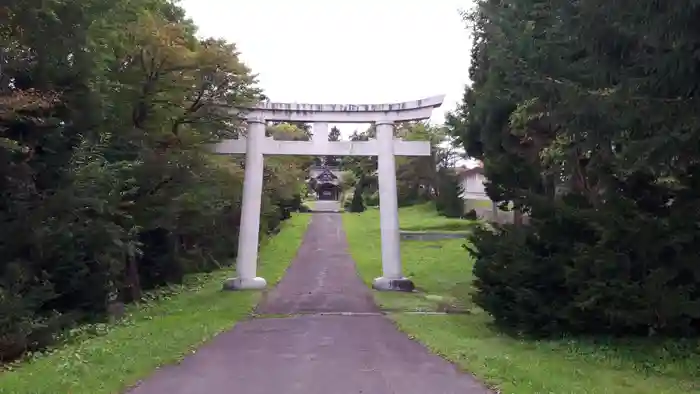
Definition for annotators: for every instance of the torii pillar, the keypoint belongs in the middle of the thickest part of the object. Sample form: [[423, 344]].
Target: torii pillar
[[392, 277], [385, 147], [249, 228]]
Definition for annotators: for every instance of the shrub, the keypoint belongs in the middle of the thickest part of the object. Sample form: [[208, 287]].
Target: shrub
[[357, 204], [408, 194], [471, 215], [585, 270], [449, 202], [22, 326], [372, 200]]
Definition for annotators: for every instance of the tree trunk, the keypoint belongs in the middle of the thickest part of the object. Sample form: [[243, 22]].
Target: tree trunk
[[517, 217], [133, 280]]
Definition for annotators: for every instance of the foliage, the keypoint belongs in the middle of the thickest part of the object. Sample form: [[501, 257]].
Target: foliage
[[347, 181], [471, 214], [416, 177], [584, 114], [332, 161], [362, 167], [449, 201], [106, 188], [371, 199], [357, 203]]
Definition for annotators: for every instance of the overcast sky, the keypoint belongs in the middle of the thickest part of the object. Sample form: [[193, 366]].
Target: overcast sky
[[346, 52]]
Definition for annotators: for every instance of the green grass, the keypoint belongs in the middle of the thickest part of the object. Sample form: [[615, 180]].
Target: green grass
[[478, 203], [423, 218], [154, 334], [310, 203], [427, 261], [442, 272]]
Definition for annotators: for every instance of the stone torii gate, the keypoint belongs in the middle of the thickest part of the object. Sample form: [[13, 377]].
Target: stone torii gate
[[385, 147]]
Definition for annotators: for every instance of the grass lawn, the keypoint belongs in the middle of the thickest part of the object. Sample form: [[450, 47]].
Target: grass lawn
[[442, 273], [154, 334], [310, 203], [423, 218]]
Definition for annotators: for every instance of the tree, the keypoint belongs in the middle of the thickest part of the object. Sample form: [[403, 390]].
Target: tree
[[580, 116], [284, 131], [347, 181], [449, 200], [363, 167], [305, 127], [334, 135], [357, 203], [417, 177], [106, 189]]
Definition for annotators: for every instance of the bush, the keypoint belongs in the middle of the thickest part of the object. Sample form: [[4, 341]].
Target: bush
[[584, 270], [406, 194], [22, 327], [449, 201], [372, 200], [347, 199], [471, 215], [357, 204], [290, 205]]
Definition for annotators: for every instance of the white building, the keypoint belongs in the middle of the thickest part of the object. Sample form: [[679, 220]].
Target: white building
[[472, 182], [474, 195]]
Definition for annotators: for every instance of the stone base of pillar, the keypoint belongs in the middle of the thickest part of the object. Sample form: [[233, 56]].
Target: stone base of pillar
[[387, 284], [233, 284]]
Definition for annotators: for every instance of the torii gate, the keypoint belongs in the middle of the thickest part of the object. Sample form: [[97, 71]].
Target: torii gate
[[385, 147]]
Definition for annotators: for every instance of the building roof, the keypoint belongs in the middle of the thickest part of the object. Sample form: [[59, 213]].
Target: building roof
[[464, 171], [325, 175]]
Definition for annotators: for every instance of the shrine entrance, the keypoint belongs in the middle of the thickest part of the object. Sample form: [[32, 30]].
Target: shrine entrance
[[326, 184], [385, 147], [328, 192]]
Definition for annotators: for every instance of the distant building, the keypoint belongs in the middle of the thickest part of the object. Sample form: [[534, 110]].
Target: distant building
[[472, 182], [475, 197], [325, 182]]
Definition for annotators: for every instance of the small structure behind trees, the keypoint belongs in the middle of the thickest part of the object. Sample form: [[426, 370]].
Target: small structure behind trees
[[325, 182]]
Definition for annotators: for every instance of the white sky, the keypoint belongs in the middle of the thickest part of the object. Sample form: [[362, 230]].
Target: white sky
[[346, 52]]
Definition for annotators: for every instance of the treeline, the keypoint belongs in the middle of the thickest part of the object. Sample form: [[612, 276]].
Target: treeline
[[107, 188], [419, 179], [585, 114]]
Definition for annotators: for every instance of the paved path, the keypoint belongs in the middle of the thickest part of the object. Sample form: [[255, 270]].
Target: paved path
[[314, 353], [326, 206]]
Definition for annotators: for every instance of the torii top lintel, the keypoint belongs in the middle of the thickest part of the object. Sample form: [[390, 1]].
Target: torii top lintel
[[347, 113]]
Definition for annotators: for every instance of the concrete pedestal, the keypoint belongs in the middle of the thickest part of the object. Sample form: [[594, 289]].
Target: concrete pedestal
[[388, 284], [256, 283]]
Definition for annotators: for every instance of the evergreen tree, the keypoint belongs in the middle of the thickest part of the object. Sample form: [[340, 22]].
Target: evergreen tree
[[584, 120], [357, 203], [449, 201], [333, 135]]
